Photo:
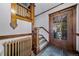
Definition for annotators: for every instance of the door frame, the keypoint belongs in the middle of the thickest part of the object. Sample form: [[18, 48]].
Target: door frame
[[73, 26]]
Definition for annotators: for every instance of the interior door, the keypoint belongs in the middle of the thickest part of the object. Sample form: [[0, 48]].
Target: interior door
[[61, 28]]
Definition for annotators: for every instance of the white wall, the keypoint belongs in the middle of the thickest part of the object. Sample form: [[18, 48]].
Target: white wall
[[77, 28], [43, 19], [5, 18]]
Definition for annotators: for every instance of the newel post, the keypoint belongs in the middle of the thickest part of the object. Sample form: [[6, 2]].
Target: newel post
[[36, 40]]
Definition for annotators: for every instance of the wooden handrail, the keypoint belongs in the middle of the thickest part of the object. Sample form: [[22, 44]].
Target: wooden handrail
[[13, 36], [23, 18], [43, 29]]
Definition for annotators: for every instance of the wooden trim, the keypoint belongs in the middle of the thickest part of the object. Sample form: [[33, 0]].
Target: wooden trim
[[13, 36], [65, 9], [13, 22], [74, 27], [34, 38], [23, 18]]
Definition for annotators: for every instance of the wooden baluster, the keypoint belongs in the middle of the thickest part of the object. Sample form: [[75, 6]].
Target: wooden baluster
[[18, 10], [28, 13], [24, 12], [21, 11]]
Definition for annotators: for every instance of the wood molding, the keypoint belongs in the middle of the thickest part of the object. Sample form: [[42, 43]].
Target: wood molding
[[23, 18], [13, 22], [13, 36]]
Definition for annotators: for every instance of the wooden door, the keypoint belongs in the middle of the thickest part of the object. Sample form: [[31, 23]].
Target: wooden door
[[61, 28]]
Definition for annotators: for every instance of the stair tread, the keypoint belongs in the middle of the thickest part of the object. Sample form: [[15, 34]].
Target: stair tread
[[43, 45], [42, 41]]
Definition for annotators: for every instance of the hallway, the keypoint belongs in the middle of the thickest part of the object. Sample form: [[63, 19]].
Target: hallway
[[30, 28]]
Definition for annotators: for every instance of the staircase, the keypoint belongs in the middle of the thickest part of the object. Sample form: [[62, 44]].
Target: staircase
[[42, 42], [39, 39]]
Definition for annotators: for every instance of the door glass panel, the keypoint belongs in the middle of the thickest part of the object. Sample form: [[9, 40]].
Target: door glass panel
[[60, 27], [64, 27]]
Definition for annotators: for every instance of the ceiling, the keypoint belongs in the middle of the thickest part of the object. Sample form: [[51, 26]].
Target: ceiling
[[41, 7]]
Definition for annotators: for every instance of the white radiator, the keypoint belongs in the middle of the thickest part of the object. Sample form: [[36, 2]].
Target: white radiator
[[1, 50], [21, 46]]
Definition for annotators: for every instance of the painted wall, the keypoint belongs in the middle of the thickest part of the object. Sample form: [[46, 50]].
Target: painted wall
[[5, 18], [77, 28], [43, 20]]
